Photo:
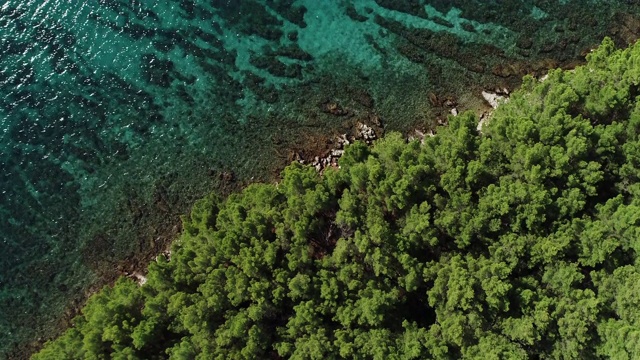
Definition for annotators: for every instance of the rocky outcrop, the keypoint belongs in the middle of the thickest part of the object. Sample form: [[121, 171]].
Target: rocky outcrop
[[362, 132]]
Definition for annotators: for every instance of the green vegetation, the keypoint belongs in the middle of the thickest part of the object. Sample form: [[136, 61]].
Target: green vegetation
[[520, 242]]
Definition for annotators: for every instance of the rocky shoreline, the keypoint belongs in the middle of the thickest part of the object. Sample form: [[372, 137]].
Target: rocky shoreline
[[362, 132]]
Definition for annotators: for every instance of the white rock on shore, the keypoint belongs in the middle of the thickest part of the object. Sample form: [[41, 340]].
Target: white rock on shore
[[494, 99], [364, 132], [138, 277]]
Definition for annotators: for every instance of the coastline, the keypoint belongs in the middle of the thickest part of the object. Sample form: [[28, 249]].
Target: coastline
[[325, 153], [247, 234], [289, 127]]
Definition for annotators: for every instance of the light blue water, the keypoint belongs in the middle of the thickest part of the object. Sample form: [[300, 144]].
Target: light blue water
[[116, 115]]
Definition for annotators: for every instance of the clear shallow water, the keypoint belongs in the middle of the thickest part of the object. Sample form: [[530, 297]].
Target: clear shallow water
[[116, 115]]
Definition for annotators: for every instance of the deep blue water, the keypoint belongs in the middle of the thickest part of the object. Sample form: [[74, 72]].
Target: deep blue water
[[116, 115]]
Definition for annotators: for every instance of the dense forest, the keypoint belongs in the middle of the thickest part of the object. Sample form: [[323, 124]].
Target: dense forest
[[517, 242]]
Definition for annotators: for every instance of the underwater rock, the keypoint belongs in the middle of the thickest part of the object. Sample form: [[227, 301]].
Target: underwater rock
[[333, 108], [524, 42], [354, 15], [627, 28], [157, 71]]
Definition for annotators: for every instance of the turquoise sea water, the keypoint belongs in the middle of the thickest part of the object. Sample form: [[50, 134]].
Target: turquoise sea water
[[116, 115]]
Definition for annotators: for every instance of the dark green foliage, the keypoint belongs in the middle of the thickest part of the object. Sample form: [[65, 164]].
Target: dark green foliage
[[520, 242]]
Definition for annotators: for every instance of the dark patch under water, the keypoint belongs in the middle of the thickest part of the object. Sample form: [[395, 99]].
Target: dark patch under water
[[116, 115]]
